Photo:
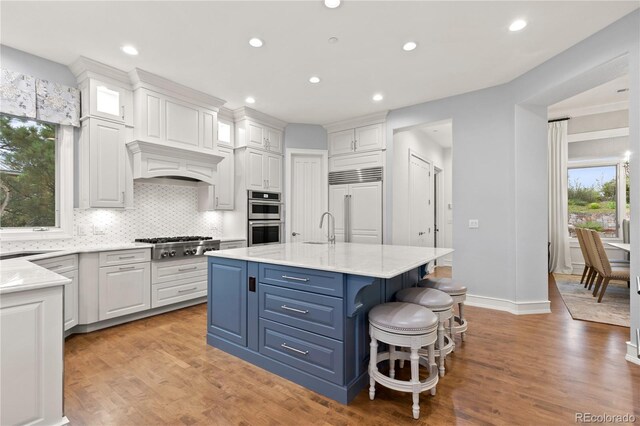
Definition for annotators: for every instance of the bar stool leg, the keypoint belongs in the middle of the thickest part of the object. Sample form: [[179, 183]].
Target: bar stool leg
[[392, 361], [432, 363], [461, 308], [440, 346], [415, 380], [373, 367], [452, 323]]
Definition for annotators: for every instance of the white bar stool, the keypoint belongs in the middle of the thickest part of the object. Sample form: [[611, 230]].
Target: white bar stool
[[441, 304], [407, 326], [458, 293]]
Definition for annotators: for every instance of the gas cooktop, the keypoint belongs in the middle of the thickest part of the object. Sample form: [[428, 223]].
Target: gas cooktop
[[161, 240], [166, 248]]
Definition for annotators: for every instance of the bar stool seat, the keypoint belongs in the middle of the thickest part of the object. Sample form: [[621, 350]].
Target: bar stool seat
[[458, 292], [409, 326], [441, 304]]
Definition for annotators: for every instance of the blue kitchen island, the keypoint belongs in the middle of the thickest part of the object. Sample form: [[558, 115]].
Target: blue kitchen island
[[300, 310]]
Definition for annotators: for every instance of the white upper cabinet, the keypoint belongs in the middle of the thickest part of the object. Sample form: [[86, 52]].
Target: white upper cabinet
[[341, 142], [219, 196], [258, 131], [226, 128], [364, 134], [108, 101], [273, 172], [263, 170]]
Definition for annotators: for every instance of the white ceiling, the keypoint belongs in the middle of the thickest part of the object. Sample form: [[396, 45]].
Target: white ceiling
[[605, 95], [463, 46]]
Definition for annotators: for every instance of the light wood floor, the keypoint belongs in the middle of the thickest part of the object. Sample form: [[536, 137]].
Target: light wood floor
[[511, 370]]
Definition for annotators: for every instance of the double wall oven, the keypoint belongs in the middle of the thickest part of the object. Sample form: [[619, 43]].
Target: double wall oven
[[265, 218]]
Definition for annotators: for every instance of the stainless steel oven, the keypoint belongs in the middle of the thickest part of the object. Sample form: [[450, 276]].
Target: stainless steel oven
[[265, 205], [262, 232]]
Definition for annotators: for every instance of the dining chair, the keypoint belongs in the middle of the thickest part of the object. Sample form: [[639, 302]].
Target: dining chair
[[606, 271], [589, 270]]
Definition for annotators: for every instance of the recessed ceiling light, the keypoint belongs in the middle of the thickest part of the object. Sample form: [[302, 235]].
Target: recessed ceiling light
[[250, 100], [517, 25], [255, 42], [409, 46], [377, 97], [314, 79], [332, 40], [129, 50], [332, 4]]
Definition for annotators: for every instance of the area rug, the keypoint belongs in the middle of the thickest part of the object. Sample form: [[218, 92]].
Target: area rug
[[614, 308]]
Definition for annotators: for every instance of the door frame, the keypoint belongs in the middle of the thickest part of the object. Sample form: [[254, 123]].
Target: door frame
[[413, 153], [289, 154]]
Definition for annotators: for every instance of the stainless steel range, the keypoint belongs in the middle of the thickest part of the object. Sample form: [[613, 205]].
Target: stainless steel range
[[169, 248]]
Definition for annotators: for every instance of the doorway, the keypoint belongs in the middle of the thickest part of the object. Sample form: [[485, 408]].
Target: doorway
[[305, 194]]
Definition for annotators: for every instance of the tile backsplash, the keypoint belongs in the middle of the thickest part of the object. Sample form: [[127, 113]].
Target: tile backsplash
[[159, 210]]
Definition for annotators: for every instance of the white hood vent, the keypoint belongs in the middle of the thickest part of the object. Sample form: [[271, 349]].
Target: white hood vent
[[156, 160]]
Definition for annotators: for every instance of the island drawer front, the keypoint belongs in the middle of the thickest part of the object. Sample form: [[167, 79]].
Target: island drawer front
[[59, 264], [311, 312], [121, 257], [178, 291], [302, 350], [329, 283]]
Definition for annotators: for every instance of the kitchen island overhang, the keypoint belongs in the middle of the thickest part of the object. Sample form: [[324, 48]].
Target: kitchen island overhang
[[300, 310]]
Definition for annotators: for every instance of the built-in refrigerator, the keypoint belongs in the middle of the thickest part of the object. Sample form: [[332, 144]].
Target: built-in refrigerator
[[355, 200]]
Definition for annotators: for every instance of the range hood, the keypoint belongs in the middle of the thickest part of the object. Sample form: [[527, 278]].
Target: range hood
[[159, 160]]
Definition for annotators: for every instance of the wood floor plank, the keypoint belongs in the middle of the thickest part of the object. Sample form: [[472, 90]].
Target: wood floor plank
[[511, 370]]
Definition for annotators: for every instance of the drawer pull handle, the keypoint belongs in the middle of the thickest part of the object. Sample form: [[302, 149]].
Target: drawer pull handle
[[124, 268], [126, 257], [187, 269], [300, 311], [298, 351], [57, 266], [286, 277], [187, 289]]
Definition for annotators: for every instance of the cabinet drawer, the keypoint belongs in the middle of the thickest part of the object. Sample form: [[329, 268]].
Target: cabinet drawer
[[178, 291], [169, 272], [121, 257], [232, 244], [305, 351], [309, 311], [329, 283], [59, 264]]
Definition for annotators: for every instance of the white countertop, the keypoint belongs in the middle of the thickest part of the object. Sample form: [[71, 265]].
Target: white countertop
[[20, 275], [371, 260], [48, 253], [622, 246]]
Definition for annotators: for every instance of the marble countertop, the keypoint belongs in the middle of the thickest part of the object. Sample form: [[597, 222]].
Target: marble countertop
[[371, 260], [20, 275], [48, 253]]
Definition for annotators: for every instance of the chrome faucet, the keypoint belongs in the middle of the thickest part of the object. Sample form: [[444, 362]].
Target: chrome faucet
[[331, 228]]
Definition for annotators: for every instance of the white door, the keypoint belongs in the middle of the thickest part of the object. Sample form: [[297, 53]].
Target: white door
[[341, 142], [307, 197], [366, 213], [337, 199], [256, 177], [421, 210], [273, 172], [368, 138], [107, 158]]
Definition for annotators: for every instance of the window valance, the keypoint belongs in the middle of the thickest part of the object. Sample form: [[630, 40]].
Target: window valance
[[26, 96]]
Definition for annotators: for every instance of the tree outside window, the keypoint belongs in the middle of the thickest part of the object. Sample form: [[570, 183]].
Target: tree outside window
[[27, 173]]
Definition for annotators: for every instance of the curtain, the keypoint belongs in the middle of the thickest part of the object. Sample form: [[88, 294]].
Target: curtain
[[25, 96], [559, 249]]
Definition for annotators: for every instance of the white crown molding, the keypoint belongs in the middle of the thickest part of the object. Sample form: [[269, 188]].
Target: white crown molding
[[84, 68], [378, 117], [588, 110], [225, 113], [144, 79], [244, 113], [516, 308]]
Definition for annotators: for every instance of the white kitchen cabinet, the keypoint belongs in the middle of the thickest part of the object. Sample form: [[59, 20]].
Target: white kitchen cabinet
[[263, 170], [124, 289], [273, 139], [102, 160], [31, 357], [359, 139], [357, 209], [221, 195], [108, 101], [225, 132], [361, 160], [226, 245], [71, 300], [259, 131]]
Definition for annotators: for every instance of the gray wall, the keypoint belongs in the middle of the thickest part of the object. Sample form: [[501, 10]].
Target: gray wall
[[305, 136], [500, 170], [26, 63]]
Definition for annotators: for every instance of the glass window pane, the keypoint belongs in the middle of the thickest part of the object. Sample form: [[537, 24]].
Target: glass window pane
[[224, 132], [27, 173], [592, 198], [107, 101]]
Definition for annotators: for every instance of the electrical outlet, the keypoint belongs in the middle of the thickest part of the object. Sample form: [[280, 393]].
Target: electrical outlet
[[474, 223], [98, 230]]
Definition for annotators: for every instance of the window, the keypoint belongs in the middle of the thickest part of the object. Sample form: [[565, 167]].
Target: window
[[594, 196], [35, 189]]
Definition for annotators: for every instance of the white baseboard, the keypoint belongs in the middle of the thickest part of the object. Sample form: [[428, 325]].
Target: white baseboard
[[516, 308], [632, 353]]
